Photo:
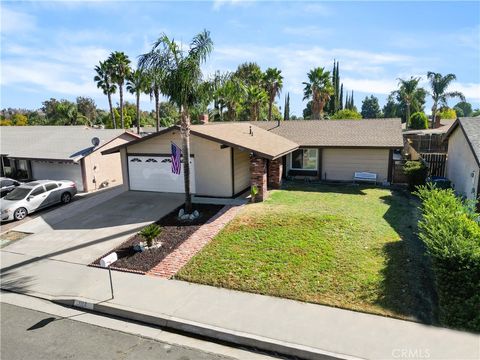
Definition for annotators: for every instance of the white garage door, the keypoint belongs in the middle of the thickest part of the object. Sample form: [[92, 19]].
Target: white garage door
[[42, 170], [154, 173]]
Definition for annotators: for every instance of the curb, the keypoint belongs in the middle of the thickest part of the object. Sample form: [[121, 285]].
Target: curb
[[208, 331]]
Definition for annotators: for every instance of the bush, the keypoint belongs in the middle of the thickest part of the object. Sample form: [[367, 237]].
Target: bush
[[346, 114], [416, 172], [418, 120], [448, 114], [150, 232], [450, 230]]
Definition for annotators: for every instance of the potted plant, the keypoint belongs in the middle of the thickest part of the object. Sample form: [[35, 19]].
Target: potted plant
[[150, 232]]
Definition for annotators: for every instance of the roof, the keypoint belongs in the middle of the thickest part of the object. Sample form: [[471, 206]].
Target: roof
[[263, 143], [471, 129], [371, 133], [445, 125], [66, 143]]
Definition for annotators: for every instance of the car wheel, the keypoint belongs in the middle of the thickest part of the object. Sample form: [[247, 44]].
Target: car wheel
[[66, 198], [20, 213]]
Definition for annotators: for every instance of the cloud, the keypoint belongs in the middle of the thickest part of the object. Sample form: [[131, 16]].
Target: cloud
[[218, 4], [15, 22], [372, 86], [310, 31], [470, 90]]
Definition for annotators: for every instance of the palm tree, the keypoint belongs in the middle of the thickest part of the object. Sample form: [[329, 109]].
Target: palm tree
[[409, 92], [104, 81], [439, 85], [318, 88], [120, 71], [137, 83], [256, 97], [273, 81], [183, 85], [231, 95], [155, 79]]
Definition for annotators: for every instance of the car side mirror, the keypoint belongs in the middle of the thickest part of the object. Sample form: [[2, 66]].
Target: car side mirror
[[30, 197]]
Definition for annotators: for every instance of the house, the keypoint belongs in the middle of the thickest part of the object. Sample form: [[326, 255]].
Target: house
[[463, 162], [62, 153], [227, 158], [429, 140]]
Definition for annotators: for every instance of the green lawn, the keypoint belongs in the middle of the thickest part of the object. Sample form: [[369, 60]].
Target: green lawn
[[347, 246]]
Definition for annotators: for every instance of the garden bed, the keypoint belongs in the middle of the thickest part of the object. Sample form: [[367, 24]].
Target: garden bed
[[174, 232]]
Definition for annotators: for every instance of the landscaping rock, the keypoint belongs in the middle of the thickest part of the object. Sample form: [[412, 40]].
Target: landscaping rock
[[196, 214], [181, 212], [191, 217], [185, 217], [139, 247]]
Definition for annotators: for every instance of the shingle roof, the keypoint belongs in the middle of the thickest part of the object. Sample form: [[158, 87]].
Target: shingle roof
[[339, 133], [471, 129], [68, 143]]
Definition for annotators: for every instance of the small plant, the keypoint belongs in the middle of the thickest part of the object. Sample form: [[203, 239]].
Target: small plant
[[150, 232], [416, 172], [253, 192]]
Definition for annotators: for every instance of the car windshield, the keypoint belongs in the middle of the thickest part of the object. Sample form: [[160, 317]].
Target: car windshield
[[18, 194]]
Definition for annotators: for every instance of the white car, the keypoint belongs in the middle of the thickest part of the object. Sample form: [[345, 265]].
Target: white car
[[36, 195]]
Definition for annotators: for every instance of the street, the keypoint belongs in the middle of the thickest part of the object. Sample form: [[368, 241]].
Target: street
[[30, 334]]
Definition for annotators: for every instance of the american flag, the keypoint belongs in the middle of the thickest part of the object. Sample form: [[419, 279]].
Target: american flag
[[176, 159]]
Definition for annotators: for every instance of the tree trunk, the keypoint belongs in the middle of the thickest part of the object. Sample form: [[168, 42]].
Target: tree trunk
[[407, 115], [434, 113], [185, 131], [138, 112], [114, 122], [120, 87], [157, 108], [270, 103]]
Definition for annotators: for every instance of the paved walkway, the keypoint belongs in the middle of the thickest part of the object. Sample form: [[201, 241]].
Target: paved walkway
[[266, 322], [181, 255]]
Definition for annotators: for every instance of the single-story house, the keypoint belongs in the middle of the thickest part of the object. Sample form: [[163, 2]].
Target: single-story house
[[228, 158], [463, 161], [62, 153]]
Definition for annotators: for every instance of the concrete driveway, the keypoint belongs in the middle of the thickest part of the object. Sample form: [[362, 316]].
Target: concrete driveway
[[81, 232]]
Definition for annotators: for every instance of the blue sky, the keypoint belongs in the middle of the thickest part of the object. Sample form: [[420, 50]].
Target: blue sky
[[49, 49]]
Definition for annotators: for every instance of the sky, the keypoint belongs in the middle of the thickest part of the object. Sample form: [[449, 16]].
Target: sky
[[50, 48]]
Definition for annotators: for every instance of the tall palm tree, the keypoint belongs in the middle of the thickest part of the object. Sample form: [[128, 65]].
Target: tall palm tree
[[256, 97], [137, 83], [120, 71], [155, 79], [409, 92], [183, 85], [439, 85], [231, 95], [319, 88], [273, 81], [104, 81]]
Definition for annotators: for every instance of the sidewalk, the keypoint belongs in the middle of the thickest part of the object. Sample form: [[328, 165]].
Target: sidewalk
[[284, 326]]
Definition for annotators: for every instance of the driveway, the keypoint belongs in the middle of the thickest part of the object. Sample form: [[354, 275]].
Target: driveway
[[82, 232]]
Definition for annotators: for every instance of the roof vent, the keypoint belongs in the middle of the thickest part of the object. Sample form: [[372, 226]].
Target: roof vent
[[95, 141], [251, 132]]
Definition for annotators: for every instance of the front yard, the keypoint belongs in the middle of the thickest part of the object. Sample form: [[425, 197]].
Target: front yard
[[346, 246]]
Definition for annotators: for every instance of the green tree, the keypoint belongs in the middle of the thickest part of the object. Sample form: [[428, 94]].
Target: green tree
[[168, 114], [286, 110], [231, 95], [105, 82], [307, 112], [346, 114], [418, 120], [19, 119], [446, 113], [390, 109], [120, 70], [370, 108], [273, 82], [87, 108], [336, 101], [349, 103], [137, 83], [438, 90], [256, 97], [463, 109], [410, 96], [183, 85], [318, 88], [249, 74]]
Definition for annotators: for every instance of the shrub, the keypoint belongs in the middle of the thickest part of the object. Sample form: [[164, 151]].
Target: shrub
[[150, 232], [447, 114], [346, 114], [416, 172], [450, 230], [253, 192], [418, 120]]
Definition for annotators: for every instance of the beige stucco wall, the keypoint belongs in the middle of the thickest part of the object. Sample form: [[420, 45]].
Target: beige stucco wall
[[460, 165], [341, 164], [213, 174], [100, 168], [241, 161]]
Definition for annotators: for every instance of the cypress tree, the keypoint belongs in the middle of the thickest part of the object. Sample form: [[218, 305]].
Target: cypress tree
[[286, 110], [331, 101], [337, 89], [352, 105], [341, 97]]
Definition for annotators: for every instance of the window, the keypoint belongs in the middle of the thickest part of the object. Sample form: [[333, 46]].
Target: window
[[151, 160], [51, 186], [304, 159], [135, 160], [37, 191], [5, 183]]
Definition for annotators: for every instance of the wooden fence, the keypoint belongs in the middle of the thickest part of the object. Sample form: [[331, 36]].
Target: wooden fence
[[436, 163], [429, 143]]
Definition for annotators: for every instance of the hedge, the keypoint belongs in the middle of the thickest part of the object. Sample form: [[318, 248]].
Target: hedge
[[450, 230], [418, 120], [416, 172]]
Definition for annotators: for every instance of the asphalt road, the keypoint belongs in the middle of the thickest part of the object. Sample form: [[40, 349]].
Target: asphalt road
[[27, 334]]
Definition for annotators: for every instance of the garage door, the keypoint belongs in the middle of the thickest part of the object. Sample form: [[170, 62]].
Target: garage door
[[341, 164], [43, 170], [154, 173]]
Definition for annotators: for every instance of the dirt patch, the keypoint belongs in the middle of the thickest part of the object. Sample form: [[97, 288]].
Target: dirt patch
[[11, 236], [174, 232]]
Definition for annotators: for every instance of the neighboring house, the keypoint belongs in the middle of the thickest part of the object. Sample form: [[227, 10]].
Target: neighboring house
[[463, 164], [227, 158], [62, 153], [429, 140]]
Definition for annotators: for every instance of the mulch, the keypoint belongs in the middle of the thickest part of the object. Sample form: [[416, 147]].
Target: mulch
[[174, 232]]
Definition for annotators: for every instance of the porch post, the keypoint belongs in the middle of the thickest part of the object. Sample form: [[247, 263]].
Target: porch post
[[258, 176], [275, 169]]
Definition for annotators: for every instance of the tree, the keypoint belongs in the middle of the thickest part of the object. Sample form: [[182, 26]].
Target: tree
[[183, 79], [319, 89], [463, 109], [249, 73], [390, 109], [370, 108], [307, 112], [231, 95], [120, 70], [105, 82], [346, 114], [418, 120], [446, 113], [19, 119], [256, 97], [410, 94], [336, 101], [168, 114], [137, 83], [273, 82], [438, 90], [87, 108], [286, 110], [349, 103]]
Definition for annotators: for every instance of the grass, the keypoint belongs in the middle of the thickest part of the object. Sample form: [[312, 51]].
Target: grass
[[345, 246]]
